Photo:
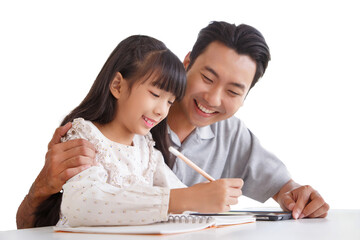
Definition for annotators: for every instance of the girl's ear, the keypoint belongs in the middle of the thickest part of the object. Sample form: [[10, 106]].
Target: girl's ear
[[186, 60], [115, 85]]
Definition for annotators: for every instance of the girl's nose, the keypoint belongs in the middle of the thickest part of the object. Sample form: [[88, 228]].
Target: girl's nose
[[162, 108]]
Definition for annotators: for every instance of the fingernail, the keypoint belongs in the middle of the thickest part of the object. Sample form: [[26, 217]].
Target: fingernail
[[296, 215], [291, 206], [302, 216]]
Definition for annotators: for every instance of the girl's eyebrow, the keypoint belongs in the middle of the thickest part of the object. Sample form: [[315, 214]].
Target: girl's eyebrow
[[236, 84]]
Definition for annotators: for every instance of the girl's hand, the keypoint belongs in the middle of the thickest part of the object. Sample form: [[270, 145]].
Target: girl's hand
[[209, 197]]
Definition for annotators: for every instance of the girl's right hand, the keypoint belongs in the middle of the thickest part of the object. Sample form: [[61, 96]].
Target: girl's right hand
[[209, 197]]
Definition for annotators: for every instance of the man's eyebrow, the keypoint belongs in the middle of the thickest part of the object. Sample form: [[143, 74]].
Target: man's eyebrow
[[212, 71], [239, 85]]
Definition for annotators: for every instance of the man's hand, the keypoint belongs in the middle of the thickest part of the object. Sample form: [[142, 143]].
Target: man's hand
[[62, 161], [303, 201]]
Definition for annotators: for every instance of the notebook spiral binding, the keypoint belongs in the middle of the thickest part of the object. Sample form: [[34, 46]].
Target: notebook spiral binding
[[189, 219]]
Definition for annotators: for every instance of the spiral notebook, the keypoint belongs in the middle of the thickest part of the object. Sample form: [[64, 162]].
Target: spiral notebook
[[177, 223]]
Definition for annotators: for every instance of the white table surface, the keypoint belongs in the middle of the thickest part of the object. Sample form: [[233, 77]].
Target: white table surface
[[339, 224]]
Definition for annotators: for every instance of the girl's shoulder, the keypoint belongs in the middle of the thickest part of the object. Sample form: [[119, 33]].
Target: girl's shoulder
[[81, 128], [80, 123]]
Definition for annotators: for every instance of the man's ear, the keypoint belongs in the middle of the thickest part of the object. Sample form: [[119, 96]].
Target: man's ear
[[115, 85], [186, 61]]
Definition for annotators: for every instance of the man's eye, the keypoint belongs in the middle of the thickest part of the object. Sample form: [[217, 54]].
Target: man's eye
[[155, 95], [234, 93], [206, 78]]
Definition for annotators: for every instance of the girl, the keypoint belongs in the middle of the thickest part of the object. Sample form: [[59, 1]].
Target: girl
[[131, 183]]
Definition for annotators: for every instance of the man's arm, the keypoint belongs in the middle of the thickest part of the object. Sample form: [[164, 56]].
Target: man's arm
[[303, 201], [62, 161]]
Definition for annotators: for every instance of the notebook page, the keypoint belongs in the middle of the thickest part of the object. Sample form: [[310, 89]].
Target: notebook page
[[175, 224], [178, 223]]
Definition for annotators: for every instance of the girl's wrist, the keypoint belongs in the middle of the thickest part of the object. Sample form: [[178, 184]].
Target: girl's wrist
[[179, 200]]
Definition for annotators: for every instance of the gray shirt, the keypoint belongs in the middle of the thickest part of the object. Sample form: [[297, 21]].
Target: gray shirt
[[227, 149]]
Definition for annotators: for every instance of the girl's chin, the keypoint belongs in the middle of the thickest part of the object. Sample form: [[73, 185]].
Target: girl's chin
[[143, 131]]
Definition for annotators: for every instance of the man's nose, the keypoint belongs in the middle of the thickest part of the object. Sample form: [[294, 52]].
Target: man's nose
[[213, 97]]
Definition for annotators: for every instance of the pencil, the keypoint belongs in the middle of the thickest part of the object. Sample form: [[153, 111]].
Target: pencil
[[191, 164]]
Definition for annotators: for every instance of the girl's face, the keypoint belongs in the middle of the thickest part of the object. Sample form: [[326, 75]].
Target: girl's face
[[142, 107]]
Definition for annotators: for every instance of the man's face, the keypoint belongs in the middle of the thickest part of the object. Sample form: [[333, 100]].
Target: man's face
[[217, 84]]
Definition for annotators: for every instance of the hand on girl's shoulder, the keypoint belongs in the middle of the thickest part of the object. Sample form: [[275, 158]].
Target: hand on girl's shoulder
[[80, 129]]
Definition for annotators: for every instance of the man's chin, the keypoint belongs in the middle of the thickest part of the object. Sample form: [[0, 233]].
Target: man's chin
[[202, 122]]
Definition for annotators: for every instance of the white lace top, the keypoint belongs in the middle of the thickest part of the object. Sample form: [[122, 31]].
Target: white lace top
[[130, 185]]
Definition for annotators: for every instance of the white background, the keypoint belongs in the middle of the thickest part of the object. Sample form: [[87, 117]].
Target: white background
[[305, 108]]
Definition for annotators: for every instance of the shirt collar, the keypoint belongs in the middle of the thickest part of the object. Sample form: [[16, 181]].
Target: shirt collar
[[199, 133], [205, 132]]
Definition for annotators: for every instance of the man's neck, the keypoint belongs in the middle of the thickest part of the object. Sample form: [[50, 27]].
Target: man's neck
[[179, 123]]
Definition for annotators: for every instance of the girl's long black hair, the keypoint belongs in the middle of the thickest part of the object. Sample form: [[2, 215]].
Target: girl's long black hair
[[136, 58]]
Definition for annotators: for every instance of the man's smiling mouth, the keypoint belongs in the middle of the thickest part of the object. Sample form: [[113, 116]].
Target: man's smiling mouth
[[204, 109]]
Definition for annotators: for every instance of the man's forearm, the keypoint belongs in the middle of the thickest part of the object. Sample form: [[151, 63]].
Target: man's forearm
[[25, 216]]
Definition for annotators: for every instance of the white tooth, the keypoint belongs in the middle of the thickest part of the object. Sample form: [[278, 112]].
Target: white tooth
[[202, 108], [148, 121]]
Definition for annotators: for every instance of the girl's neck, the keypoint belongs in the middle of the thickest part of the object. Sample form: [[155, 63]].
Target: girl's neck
[[113, 132], [179, 123]]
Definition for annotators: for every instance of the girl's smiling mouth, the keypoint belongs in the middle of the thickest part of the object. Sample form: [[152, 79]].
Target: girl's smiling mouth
[[149, 122]]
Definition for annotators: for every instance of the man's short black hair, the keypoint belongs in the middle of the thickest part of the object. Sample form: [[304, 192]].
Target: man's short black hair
[[243, 38]]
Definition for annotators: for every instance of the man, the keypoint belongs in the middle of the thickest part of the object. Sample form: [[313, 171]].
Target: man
[[224, 64]]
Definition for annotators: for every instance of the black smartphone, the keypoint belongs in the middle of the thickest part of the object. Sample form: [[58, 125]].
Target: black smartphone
[[267, 215], [259, 215]]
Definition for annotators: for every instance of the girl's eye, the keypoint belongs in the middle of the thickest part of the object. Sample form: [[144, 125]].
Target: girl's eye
[[155, 95], [170, 102]]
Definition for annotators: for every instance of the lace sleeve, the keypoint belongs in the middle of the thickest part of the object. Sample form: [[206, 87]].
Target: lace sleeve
[[90, 200], [78, 130], [81, 129]]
